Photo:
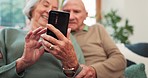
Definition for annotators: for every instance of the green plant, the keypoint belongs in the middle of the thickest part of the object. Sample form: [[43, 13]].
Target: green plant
[[120, 33]]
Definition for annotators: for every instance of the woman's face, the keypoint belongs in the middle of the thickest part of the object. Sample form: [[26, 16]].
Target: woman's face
[[40, 12]]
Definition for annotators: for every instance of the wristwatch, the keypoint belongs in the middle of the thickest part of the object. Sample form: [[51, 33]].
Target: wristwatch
[[70, 72]]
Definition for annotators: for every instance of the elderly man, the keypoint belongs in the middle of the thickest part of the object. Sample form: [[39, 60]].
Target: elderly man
[[103, 58]]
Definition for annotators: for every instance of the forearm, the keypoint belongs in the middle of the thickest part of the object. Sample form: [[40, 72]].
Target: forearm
[[111, 68]]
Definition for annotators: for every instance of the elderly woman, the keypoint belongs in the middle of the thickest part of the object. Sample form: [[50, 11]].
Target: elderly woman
[[22, 53]]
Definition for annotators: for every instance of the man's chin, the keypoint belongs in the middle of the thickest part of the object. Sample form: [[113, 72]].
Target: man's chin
[[73, 29], [71, 25]]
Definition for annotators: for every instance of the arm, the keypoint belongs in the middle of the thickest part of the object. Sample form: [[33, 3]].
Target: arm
[[103, 58], [6, 70], [115, 64], [32, 52]]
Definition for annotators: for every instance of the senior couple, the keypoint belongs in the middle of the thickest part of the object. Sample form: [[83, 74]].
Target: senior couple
[[22, 53]]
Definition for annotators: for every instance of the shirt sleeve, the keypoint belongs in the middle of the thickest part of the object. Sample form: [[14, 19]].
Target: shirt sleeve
[[6, 70], [115, 64]]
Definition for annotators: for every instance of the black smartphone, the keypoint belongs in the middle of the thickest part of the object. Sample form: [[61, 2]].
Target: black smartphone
[[60, 20]]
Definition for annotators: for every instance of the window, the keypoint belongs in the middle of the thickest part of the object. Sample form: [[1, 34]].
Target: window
[[91, 9], [11, 13]]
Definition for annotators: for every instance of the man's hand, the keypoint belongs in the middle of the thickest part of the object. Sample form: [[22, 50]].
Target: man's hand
[[87, 72]]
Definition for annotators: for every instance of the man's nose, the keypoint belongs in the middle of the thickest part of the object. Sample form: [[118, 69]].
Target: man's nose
[[72, 16]]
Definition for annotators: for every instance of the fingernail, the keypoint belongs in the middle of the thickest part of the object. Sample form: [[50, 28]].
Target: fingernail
[[42, 35]]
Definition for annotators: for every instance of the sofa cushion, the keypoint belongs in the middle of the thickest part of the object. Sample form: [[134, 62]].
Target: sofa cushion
[[135, 71], [139, 48]]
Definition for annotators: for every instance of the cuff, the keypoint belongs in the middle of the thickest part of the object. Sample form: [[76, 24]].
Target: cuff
[[78, 71]]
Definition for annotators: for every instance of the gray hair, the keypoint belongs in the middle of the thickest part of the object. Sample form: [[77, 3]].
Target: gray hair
[[29, 7]]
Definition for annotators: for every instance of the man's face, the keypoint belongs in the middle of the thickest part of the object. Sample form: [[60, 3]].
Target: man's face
[[77, 14], [40, 12]]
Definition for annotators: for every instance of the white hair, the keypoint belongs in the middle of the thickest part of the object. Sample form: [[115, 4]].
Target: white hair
[[83, 2], [29, 7]]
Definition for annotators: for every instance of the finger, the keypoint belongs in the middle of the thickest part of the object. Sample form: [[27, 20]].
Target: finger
[[42, 31], [89, 73], [41, 51], [59, 35], [47, 46], [56, 51], [46, 43], [81, 74], [68, 33], [28, 35], [50, 39], [37, 30], [35, 33], [87, 76], [37, 36], [39, 44]]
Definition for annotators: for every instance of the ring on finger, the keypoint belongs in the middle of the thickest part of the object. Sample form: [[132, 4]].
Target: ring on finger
[[51, 47]]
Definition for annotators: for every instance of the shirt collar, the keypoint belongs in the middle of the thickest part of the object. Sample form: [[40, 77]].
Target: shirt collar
[[85, 28]]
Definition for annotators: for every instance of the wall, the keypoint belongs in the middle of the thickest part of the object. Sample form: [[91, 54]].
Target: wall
[[137, 13]]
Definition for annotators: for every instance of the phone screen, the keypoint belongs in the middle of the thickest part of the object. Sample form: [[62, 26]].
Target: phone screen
[[60, 20]]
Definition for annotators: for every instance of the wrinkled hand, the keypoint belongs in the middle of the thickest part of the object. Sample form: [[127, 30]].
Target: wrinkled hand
[[63, 48], [87, 72], [32, 49]]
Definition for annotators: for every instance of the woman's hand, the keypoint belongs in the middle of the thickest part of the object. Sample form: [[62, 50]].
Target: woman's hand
[[61, 48], [32, 49]]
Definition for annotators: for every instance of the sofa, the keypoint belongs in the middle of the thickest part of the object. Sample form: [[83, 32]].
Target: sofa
[[137, 59]]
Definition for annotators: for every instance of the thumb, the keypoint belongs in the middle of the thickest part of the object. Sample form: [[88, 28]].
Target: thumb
[[68, 33]]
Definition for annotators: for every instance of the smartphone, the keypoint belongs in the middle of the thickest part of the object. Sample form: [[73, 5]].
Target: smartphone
[[60, 20]]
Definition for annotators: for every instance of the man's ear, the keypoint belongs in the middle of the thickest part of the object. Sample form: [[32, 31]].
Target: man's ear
[[86, 15]]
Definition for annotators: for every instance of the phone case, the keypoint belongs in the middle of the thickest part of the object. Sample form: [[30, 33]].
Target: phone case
[[60, 20]]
